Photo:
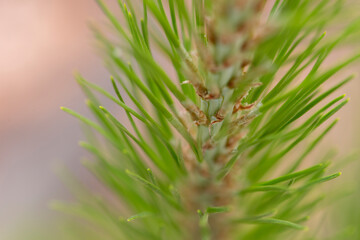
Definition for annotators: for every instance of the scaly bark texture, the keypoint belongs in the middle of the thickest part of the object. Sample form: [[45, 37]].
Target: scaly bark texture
[[219, 63]]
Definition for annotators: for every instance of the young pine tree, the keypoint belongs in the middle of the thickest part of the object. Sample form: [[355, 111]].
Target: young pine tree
[[225, 99]]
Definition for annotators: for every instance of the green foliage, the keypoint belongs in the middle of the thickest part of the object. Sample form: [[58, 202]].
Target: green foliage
[[226, 96]]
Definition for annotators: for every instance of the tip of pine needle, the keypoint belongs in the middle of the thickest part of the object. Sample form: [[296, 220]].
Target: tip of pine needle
[[76, 73], [86, 163], [62, 108], [185, 82], [336, 120]]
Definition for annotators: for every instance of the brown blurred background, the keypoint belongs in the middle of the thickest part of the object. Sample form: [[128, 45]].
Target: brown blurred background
[[41, 43]]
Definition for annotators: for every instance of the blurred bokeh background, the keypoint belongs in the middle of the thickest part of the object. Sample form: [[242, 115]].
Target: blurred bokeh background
[[42, 42]]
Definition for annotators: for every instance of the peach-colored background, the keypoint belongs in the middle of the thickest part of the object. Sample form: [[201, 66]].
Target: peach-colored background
[[41, 43]]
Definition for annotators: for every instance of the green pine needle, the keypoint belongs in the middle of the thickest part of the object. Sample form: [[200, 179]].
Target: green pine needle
[[225, 100]]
